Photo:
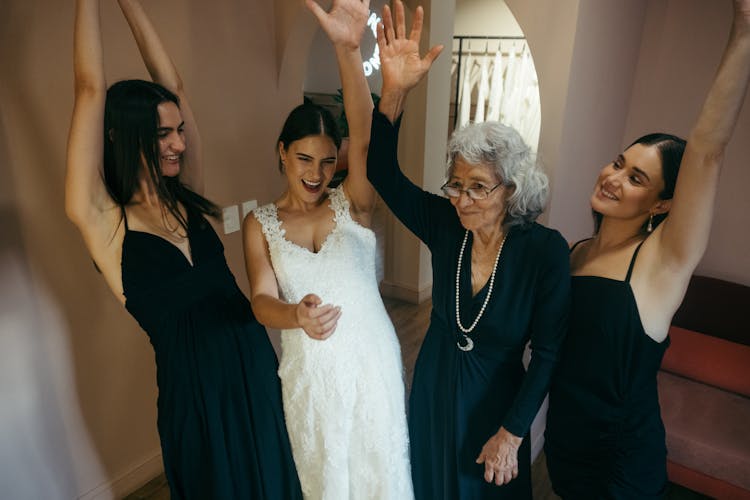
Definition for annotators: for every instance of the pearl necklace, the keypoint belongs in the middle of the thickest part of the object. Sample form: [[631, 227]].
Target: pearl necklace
[[468, 343]]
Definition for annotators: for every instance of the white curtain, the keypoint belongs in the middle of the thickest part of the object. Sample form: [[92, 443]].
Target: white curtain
[[500, 83]]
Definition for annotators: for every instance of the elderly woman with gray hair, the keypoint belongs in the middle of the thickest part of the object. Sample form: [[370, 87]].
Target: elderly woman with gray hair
[[500, 280]]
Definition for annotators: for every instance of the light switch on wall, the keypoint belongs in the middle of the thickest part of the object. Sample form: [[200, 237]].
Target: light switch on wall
[[248, 206], [231, 219]]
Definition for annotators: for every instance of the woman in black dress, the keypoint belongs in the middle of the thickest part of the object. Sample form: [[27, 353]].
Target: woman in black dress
[[499, 280], [133, 187], [605, 437]]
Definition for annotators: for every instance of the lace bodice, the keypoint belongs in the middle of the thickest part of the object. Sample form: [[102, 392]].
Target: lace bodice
[[348, 250], [344, 396]]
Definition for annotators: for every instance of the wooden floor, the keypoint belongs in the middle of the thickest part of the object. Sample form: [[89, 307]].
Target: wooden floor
[[411, 323]]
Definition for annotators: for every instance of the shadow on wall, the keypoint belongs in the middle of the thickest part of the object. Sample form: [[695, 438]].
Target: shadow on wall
[[57, 417], [40, 417]]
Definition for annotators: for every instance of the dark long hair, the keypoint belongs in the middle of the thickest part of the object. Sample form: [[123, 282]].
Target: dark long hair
[[131, 120], [305, 120], [671, 149]]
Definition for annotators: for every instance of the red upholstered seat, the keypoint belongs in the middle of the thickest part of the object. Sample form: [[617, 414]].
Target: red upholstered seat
[[708, 359], [704, 390], [707, 428]]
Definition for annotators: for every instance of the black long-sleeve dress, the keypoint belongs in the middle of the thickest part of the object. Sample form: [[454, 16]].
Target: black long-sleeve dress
[[460, 399], [220, 421], [605, 437]]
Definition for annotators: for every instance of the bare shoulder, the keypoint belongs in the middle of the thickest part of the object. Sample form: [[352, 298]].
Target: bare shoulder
[[251, 223]]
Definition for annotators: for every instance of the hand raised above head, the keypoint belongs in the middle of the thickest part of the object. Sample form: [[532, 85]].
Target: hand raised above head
[[345, 22], [401, 65]]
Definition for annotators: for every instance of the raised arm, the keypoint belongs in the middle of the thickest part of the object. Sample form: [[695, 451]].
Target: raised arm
[[163, 71], [400, 64], [344, 25], [86, 197], [683, 236]]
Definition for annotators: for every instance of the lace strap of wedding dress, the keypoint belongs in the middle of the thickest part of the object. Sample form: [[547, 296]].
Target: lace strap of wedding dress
[[270, 223], [339, 204]]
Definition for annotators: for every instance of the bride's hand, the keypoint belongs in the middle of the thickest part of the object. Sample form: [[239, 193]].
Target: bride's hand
[[345, 22], [318, 321]]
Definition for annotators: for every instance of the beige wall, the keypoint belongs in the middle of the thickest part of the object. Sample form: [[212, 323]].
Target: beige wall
[[682, 44], [595, 106]]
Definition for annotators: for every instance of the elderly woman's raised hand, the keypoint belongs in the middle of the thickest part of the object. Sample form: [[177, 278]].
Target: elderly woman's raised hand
[[400, 63], [345, 22], [500, 457]]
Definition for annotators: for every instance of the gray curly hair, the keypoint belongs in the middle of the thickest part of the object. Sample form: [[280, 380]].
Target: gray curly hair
[[501, 148]]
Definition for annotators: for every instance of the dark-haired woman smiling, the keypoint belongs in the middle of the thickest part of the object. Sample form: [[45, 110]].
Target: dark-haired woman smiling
[[220, 420], [605, 437]]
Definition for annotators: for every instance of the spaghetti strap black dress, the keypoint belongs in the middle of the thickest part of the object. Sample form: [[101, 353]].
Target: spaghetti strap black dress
[[220, 417], [605, 437]]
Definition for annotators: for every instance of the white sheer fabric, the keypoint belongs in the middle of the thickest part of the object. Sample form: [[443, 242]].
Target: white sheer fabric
[[505, 85]]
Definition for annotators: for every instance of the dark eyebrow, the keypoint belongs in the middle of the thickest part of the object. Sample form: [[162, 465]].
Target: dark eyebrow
[[638, 171], [167, 129], [308, 157]]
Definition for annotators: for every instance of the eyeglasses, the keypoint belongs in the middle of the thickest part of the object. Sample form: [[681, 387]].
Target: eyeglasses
[[475, 193]]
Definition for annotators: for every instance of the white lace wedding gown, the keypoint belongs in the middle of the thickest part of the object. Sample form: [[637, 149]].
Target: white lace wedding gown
[[343, 396]]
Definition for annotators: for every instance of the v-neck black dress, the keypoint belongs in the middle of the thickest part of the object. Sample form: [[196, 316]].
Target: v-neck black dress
[[459, 399], [220, 416], [605, 437]]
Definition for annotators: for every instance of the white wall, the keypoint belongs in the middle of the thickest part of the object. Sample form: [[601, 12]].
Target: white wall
[[485, 18]]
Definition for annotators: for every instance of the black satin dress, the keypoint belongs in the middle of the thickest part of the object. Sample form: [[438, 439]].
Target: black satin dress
[[459, 399], [220, 415], [605, 437]]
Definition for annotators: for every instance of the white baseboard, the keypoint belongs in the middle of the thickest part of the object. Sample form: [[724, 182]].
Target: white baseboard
[[405, 293], [127, 482]]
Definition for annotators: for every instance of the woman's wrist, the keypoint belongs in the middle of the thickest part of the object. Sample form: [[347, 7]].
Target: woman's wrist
[[510, 438], [391, 103]]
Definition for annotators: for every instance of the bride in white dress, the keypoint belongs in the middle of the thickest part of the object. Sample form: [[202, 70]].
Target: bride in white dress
[[310, 258]]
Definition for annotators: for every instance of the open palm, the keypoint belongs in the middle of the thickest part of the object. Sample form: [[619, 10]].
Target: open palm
[[345, 22], [401, 65]]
